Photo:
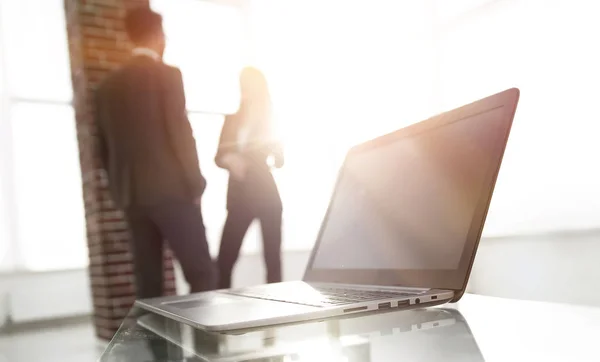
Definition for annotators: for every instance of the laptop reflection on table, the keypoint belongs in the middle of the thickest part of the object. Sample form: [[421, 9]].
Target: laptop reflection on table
[[417, 335]]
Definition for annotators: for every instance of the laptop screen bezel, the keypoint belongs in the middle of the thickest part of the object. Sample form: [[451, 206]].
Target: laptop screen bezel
[[440, 279]]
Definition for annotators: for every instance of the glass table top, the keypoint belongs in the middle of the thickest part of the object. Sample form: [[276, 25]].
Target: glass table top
[[475, 329]]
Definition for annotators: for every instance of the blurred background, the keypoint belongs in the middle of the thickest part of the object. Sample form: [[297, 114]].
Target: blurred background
[[340, 72]]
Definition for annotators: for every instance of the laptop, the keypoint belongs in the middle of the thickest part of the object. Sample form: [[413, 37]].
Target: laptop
[[401, 229]]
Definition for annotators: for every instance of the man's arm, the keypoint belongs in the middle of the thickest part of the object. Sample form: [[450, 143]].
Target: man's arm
[[180, 132]]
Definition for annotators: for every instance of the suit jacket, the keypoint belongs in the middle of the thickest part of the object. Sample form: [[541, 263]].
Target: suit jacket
[[145, 139], [258, 189]]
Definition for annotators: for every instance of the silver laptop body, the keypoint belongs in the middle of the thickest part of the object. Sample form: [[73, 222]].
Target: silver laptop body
[[401, 230]]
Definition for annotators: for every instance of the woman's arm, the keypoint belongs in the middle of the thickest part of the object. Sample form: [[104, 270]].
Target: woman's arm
[[277, 153], [227, 143], [227, 156], [275, 147]]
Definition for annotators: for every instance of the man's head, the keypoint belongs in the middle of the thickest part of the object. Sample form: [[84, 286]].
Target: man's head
[[144, 28]]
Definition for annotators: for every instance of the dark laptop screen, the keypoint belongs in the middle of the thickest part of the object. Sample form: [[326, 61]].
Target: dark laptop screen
[[409, 203]]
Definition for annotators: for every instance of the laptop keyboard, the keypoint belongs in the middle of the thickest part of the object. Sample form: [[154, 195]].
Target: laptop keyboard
[[315, 296]]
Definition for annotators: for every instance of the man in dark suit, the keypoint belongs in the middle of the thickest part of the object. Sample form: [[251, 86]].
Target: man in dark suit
[[149, 153]]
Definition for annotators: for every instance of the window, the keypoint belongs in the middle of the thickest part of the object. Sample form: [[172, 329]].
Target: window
[[36, 49], [385, 63], [5, 221], [204, 39], [42, 225], [548, 179], [447, 11], [50, 214], [334, 86]]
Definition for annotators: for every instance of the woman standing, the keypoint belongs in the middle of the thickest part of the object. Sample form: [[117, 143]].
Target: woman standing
[[246, 148]]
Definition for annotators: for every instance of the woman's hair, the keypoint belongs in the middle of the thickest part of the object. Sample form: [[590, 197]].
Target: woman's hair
[[256, 107], [254, 84], [255, 93]]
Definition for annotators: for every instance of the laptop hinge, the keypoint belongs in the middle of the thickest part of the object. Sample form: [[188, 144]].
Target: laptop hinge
[[373, 287]]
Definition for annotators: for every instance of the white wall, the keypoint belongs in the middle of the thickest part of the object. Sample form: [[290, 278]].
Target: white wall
[[36, 296], [558, 267]]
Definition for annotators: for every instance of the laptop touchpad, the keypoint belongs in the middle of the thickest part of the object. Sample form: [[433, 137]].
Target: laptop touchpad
[[229, 310], [201, 302]]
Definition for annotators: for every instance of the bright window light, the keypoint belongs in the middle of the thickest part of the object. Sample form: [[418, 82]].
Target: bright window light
[[547, 181], [204, 39], [35, 48], [50, 214]]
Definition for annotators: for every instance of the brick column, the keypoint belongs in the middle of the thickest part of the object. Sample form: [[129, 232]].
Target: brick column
[[97, 45]]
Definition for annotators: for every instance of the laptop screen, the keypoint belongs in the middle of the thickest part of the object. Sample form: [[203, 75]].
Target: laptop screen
[[409, 203]]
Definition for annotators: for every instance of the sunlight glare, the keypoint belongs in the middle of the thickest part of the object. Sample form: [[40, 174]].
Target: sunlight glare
[[322, 351]]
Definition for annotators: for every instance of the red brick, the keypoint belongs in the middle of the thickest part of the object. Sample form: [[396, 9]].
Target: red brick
[[103, 3], [109, 281], [108, 259], [105, 333], [114, 302], [112, 269], [114, 291]]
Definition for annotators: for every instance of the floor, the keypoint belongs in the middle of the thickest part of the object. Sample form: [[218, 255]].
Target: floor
[[65, 342]]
